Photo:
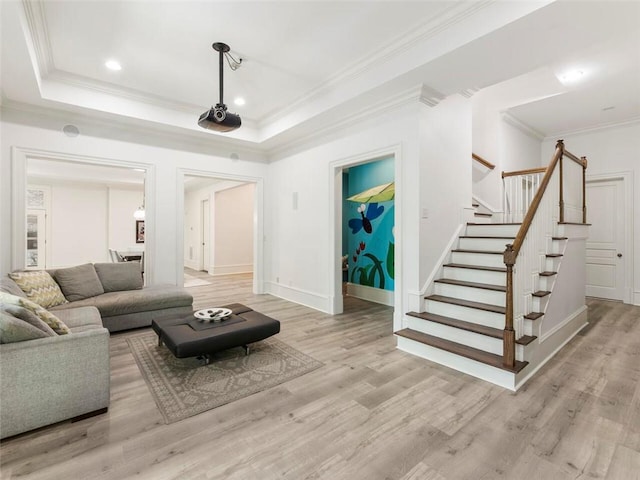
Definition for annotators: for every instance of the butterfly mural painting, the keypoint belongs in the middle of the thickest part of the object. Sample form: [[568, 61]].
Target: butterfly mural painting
[[373, 211]]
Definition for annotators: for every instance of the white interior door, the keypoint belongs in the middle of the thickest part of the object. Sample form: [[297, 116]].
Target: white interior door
[[205, 253], [605, 245]]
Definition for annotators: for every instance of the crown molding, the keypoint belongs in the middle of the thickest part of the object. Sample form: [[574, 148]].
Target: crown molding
[[469, 92], [595, 128], [406, 97], [126, 128], [456, 13], [39, 35], [131, 94], [430, 96], [523, 127]]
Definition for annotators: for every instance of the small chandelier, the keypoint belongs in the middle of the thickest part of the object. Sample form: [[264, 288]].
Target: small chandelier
[[139, 213]]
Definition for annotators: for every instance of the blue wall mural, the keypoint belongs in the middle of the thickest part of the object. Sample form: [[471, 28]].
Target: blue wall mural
[[368, 223]]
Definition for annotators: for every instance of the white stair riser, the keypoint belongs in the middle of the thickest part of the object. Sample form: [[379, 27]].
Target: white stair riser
[[472, 275], [471, 367], [551, 264], [470, 293], [482, 259], [475, 340], [557, 246], [482, 219], [493, 244], [492, 230], [539, 304], [546, 283], [482, 317]]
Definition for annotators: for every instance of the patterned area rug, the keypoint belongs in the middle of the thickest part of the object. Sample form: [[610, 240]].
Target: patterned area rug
[[183, 387]]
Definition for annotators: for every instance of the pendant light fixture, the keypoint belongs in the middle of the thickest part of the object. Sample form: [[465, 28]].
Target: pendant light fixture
[[139, 214]]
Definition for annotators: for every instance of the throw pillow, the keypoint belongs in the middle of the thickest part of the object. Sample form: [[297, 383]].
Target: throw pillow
[[29, 317], [39, 287], [78, 283], [13, 330], [118, 277], [43, 314]]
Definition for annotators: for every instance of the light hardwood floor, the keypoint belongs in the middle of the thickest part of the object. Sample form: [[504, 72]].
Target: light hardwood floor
[[371, 412]]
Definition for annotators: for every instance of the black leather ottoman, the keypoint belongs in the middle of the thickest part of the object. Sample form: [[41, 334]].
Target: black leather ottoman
[[243, 327]]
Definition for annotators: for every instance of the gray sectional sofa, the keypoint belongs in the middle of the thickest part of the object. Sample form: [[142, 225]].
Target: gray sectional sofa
[[51, 372]]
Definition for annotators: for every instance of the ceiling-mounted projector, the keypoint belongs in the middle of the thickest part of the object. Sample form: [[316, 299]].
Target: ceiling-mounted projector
[[218, 118]]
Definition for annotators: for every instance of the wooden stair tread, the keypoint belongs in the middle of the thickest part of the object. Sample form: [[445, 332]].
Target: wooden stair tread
[[462, 283], [554, 255], [548, 274], [486, 237], [459, 349], [559, 238], [480, 214], [541, 293], [476, 267], [488, 252], [525, 340], [533, 315], [492, 224], [468, 326], [467, 303]]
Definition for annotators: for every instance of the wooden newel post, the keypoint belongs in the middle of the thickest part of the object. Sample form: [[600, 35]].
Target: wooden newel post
[[584, 189], [509, 335], [560, 145]]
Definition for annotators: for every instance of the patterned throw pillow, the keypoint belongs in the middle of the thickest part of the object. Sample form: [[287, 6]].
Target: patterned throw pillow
[[46, 316], [40, 287]]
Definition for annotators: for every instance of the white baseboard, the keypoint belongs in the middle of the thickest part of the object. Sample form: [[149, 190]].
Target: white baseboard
[[296, 295], [636, 298], [376, 295], [191, 264], [554, 343], [231, 269]]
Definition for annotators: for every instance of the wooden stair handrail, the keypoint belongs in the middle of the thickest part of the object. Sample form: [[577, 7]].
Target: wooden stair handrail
[[512, 250], [482, 161], [530, 171]]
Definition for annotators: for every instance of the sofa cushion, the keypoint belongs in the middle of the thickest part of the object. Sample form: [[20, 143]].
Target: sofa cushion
[[152, 298], [79, 317], [43, 314], [117, 277], [29, 317], [39, 287], [13, 330], [9, 286], [78, 283]]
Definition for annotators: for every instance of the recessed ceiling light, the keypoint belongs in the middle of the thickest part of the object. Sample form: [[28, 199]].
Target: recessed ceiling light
[[113, 65], [239, 101], [571, 76]]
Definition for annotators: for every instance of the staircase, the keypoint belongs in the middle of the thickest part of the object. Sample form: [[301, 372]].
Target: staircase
[[466, 321]]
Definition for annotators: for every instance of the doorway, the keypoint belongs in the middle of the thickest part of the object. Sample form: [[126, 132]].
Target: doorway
[[608, 249], [219, 227], [338, 220]]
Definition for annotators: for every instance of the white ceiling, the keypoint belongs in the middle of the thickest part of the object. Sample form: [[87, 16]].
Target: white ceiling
[[307, 64]]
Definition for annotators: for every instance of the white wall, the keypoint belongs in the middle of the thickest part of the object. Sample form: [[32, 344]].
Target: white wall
[[609, 151], [501, 139], [301, 241], [162, 155], [233, 230], [85, 219], [121, 224], [193, 226], [433, 172], [445, 176]]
